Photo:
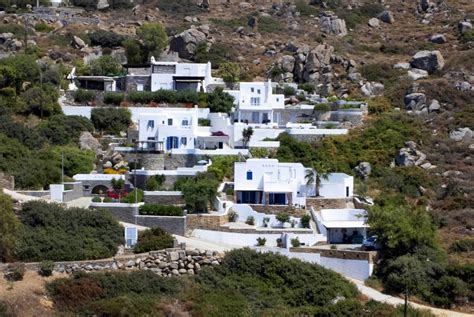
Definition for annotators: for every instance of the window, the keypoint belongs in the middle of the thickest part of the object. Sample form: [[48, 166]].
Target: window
[[252, 89], [151, 124], [255, 101], [185, 122], [184, 141], [278, 99], [249, 175], [258, 91], [170, 121], [164, 69]]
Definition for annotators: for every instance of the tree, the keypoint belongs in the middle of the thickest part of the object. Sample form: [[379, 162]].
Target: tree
[[316, 175], [153, 37], [220, 101], [106, 65], [134, 52], [152, 240], [118, 185], [10, 228], [230, 72], [282, 217], [246, 136], [106, 38], [154, 182], [200, 191], [111, 120], [42, 100], [402, 229]]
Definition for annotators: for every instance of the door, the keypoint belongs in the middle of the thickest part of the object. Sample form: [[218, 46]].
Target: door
[[265, 118], [347, 191]]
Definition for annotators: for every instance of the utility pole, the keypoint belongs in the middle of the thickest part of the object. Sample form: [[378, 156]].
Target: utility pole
[[135, 179], [62, 167]]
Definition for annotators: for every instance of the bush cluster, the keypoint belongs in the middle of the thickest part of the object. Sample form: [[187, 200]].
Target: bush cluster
[[113, 98], [106, 38], [54, 233], [152, 240], [161, 96], [82, 95], [161, 210]]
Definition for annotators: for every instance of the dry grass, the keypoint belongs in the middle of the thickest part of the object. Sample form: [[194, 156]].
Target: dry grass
[[27, 298]]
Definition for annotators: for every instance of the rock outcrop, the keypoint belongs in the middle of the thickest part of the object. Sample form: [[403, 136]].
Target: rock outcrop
[[186, 42], [415, 101], [430, 61], [461, 134], [77, 42], [372, 89], [410, 155], [330, 23], [363, 170], [87, 142], [387, 17], [438, 39]]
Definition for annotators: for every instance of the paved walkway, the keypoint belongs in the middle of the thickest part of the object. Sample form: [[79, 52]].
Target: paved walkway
[[381, 297]]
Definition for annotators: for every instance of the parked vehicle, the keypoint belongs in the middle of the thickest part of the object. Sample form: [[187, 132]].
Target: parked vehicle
[[371, 243]]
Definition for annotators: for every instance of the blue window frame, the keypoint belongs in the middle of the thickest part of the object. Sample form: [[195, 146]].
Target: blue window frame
[[170, 121], [249, 175]]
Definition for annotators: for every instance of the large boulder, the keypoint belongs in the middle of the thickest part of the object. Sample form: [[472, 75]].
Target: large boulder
[[464, 26], [363, 170], [319, 57], [372, 89], [186, 42], [434, 106], [374, 23], [461, 134], [102, 4], [77, 42], [416, 73], [409, 155], [387, 17], [287, 63], [88, 143], [426, 5], [438, 39], [415, 101], [329, 23], [430, 61]]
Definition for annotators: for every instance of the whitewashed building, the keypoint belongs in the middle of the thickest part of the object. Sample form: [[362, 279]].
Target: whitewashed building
[[170, 128], [181, 76], [269, 182], [347, 226], [255, 103], [337, 185]]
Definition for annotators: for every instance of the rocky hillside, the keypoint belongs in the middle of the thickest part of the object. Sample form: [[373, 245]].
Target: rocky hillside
[[415, 56]]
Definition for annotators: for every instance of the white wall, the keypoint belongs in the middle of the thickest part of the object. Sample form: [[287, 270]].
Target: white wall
[[56, 192], [335, 186], [85, 111], [244, 211], [247, 239]]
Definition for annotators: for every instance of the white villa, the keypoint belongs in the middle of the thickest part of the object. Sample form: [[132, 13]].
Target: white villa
[[181, 76], [269, 182], [168, 129], [255, 103]]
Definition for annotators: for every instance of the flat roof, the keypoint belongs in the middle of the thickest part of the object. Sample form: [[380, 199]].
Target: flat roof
[[344, 218]]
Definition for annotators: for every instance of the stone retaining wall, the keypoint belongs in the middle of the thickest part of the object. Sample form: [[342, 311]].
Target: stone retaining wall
[[327, 203], [273, 210], [205, 221], [169, 262], [163, 199]]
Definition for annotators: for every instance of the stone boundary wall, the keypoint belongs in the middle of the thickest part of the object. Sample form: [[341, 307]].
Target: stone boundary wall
[[171, 224], [7, 181], [327, 203], [369, 256], [168, 262]]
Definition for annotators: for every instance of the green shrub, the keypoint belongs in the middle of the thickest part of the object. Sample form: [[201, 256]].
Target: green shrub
[[282, 217], [379, 105], [468, 36], [131, 199], [161, 210], [107, 200], [305, 9], [232, 216], [17, 29], [459, 246], [46, 268], [163, 95], [96, 200], [309, 88], [83, 235], [204, 122], [250, 220], [43, 27], [269, 25], [322, 107], [305, 219], [113, 98], [106, 38], [295, 242], [179, 7], [261, 241], [289, 91], [153, 239], [110, 119], [82, 95], [143, 97], [187, 96]]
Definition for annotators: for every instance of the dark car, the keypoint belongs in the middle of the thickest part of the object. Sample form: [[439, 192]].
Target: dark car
[[371, 244]]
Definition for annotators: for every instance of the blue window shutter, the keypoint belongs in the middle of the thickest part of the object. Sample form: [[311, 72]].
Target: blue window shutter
[[249, 175]]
